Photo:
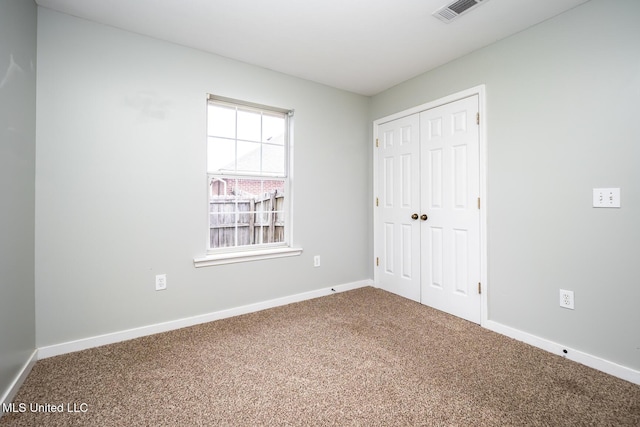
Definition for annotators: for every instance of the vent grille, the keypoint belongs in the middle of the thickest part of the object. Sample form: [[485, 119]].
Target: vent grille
[[462, 5], [453, 10]]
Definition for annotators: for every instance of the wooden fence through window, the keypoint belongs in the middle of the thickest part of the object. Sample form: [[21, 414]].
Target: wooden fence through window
[[246, 220]]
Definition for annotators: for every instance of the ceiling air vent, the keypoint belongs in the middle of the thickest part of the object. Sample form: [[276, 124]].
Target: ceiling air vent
[[453, 10]]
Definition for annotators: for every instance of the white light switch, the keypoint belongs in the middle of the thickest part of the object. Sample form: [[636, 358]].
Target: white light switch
[[606, 197]]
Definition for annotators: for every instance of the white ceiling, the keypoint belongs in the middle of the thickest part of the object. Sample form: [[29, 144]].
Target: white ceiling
[[363, 46]]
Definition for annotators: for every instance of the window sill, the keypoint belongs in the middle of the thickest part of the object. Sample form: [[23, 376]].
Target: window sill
[[244, 256]]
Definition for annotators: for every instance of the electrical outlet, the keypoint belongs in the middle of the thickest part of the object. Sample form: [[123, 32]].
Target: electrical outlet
[[316, 261], [566, 299], [606, 197], [161, 282]]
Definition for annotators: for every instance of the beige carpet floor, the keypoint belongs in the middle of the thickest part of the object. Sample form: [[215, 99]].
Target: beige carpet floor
[[358, 358]]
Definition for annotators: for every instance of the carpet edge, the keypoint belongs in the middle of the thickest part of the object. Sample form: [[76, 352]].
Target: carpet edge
[[128, 334], [597, 363], [19, 379]]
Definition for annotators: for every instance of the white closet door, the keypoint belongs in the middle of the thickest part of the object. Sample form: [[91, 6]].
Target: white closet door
[[397, 233], [450, 188]]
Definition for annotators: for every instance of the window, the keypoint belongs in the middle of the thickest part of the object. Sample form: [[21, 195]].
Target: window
[[248, 180]]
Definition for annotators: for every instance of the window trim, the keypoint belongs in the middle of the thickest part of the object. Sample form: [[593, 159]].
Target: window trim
[[246, 255], [237, 254], [236, 102]]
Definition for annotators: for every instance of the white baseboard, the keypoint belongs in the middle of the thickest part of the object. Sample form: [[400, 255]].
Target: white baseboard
[[11, 392], [114, 337], [586, 359]]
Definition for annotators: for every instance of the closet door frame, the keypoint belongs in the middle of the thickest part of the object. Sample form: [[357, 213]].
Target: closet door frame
[[477, 90]]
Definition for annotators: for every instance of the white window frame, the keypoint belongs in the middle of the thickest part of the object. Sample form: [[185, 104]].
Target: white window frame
[[229, 255]]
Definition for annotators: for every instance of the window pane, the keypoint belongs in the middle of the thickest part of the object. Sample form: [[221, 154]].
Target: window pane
[[246, 211], [221, 155], [222, 230], [273, 186], [219, 187], [221, 121], [248, 157], [273, 128], [249, 126], [249, 188], [273, 159]]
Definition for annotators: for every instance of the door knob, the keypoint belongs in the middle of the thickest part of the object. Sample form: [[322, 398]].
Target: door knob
[[424, 217], [414, 216]]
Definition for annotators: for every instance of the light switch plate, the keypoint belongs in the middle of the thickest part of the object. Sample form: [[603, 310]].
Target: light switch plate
[[606, 197]]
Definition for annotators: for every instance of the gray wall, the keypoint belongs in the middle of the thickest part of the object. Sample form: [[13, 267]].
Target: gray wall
[[17, 187], [562, 119], [121, 184]]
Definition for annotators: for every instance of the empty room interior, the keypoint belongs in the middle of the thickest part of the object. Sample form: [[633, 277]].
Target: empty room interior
[[111, 123]]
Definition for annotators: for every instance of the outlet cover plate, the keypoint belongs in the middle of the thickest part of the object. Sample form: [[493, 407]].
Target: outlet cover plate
[[566, 299], [161, 282], [606, 197]]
